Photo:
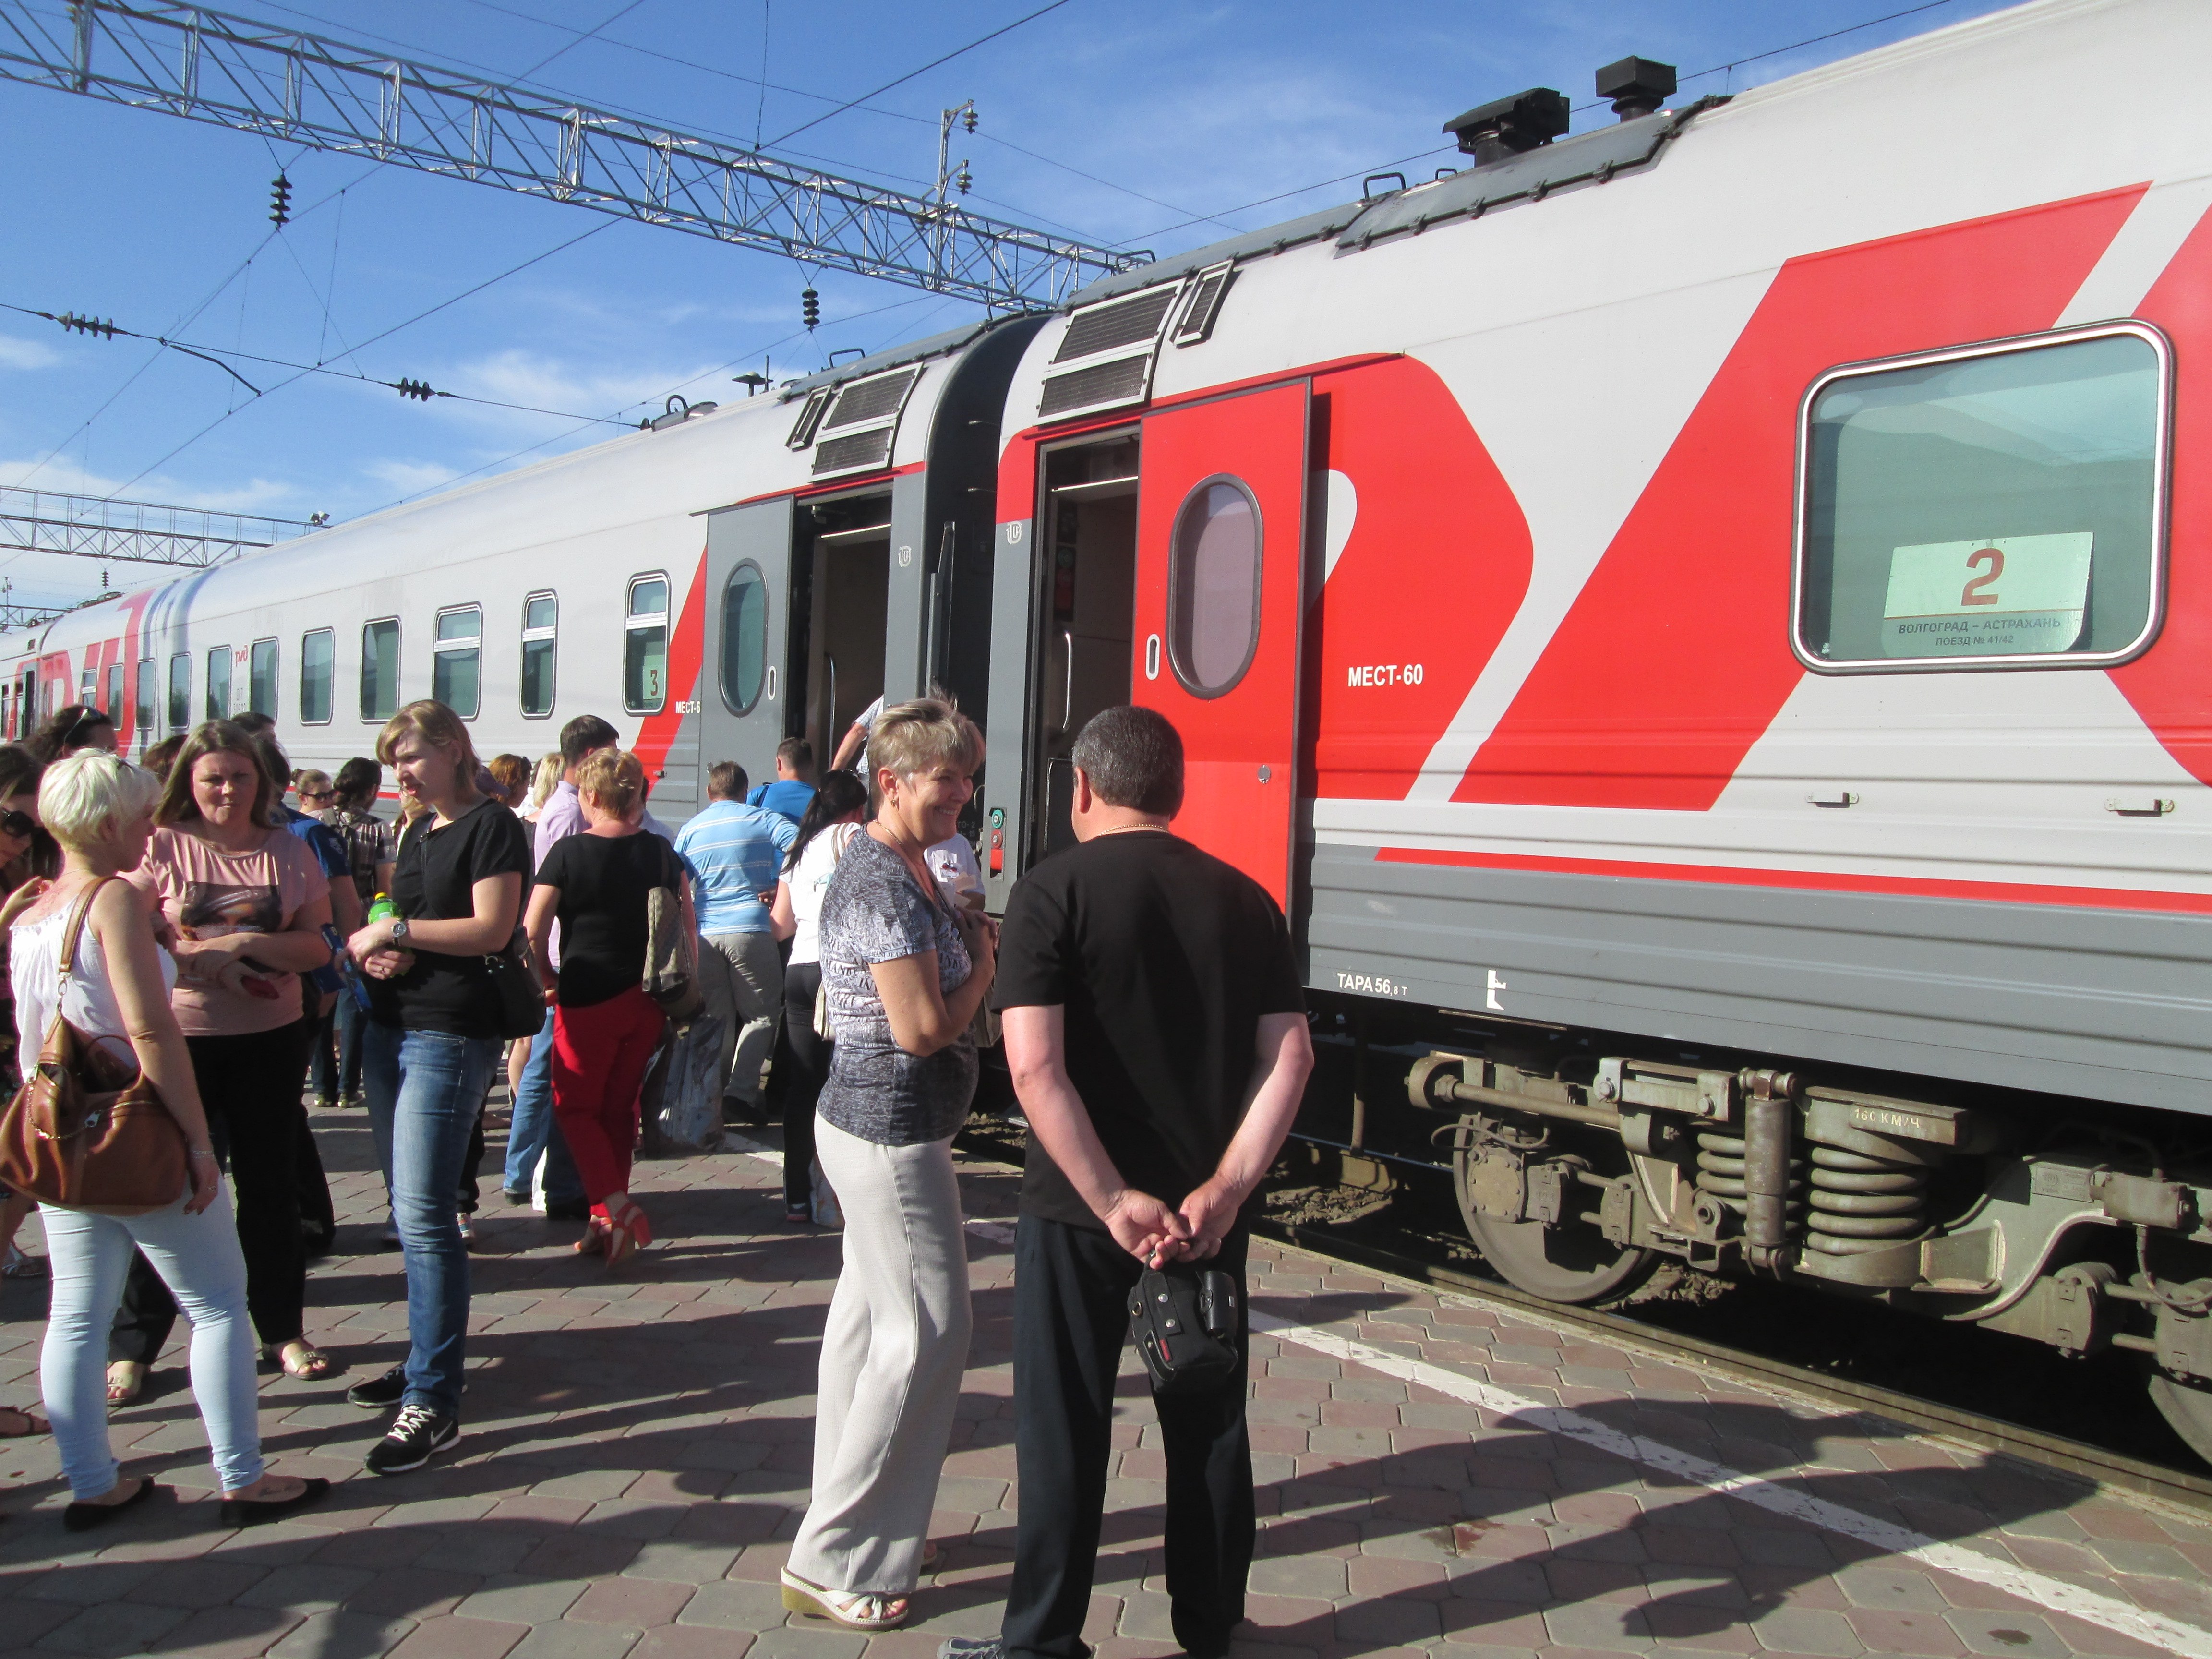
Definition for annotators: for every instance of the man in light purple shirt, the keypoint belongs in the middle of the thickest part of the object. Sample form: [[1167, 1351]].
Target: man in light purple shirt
[[532, 1132]]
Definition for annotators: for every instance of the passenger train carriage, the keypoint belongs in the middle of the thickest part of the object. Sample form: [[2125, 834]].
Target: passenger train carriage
[[1704, 624]]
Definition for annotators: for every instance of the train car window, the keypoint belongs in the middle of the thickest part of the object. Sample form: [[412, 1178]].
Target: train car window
[[744, 637], [261, 678], [218, 682], [87, 692], [1213, 587], [2000, 506], [319, 663], [457, 659], [181, 691], [379, 670], [541, 624], [150, 672], [645, 646], [113, 706]]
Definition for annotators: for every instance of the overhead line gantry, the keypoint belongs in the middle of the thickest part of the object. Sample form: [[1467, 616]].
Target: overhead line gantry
[[304, 89]]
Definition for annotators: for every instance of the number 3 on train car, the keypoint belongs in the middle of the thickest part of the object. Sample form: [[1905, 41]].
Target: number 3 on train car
[[1220, 578]]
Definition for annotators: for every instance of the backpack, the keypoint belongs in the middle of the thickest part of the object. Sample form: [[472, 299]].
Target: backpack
[[671, 954]]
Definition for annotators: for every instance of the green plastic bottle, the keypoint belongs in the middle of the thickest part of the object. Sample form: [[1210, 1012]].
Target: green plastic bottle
[[382, 908]]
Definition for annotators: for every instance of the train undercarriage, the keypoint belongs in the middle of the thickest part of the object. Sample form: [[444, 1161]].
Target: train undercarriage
[[1583, 1162]]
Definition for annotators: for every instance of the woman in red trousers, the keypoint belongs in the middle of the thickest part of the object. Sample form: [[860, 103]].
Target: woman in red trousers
[[595, 886]]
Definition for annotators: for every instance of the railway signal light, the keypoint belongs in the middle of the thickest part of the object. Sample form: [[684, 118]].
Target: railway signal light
[[810, 308], [280, 201]]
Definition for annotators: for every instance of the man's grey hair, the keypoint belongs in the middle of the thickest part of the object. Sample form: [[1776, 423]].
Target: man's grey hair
[[1133, 758]]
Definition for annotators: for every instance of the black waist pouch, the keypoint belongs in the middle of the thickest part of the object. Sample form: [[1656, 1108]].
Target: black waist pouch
[[1183, 1320]]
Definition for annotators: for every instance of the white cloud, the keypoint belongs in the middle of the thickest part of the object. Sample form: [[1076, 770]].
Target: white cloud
[[66, 478], [409, 477], [16, 353]]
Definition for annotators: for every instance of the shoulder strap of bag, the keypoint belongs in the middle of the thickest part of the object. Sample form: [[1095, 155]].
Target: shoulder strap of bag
[[75, 930]]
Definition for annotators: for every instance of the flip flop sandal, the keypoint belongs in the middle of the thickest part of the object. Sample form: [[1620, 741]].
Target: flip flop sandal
[[19, 1265], [862, 1610], [312, 1364], [31, 1424], [122, 1394]]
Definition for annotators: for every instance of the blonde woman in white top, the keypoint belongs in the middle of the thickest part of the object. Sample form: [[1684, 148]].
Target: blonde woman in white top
[[832, 818], [101, 809]]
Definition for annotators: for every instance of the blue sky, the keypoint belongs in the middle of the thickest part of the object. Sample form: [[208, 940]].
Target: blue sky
[[1141, 124]]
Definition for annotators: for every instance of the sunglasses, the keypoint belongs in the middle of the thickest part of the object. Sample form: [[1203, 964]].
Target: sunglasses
[[317, 794], [22, 825]]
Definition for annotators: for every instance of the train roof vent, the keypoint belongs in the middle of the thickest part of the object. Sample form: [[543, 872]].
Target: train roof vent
[[856, 432], [810, 417], [856, 451], [1108, 353], [1206, 292]]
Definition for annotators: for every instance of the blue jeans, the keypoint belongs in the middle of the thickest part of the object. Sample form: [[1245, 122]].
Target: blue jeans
[[531, 1131], [424, 1090], [199, 1258]]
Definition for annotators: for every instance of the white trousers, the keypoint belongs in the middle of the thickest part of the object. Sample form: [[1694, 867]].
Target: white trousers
[[892, 1359]]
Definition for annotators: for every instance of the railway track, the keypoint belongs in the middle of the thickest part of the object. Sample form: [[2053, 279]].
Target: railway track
[[2102, 1466], [2105, 1467]]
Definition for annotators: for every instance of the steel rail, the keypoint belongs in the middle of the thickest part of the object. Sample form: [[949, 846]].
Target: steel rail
[[299, 88]]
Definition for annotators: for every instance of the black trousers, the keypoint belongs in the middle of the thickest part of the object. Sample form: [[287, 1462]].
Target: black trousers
[[249, 1086], [809, 1069], [1070, 1317]]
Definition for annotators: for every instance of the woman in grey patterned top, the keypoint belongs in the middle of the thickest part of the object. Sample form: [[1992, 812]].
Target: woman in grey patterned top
[[906, 969]]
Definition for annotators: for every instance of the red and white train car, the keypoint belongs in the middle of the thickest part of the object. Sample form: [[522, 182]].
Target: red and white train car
[[1704, 624]]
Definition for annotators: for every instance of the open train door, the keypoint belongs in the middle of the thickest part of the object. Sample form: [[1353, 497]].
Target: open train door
[[1220, 586], [742, 695]]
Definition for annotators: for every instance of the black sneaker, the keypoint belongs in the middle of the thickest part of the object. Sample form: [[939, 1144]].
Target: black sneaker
[[971, 1647], [379, 1393], [514, 1201], [415, 1434]]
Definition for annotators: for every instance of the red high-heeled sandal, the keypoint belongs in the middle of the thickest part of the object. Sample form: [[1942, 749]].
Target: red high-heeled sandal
[[629, 1232], [594, 1240]]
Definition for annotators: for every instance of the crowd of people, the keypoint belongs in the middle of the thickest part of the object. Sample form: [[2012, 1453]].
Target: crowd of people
[[246, 956]]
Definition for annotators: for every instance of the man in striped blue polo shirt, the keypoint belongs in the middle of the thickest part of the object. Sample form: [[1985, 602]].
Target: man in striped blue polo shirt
[[735, 852]]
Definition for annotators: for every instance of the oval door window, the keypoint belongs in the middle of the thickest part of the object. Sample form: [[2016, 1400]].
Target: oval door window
[[744, 637], [1213, 587]]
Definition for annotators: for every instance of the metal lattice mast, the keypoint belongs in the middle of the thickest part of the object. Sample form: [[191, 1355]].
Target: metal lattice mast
[[132, 532], [302, 90]]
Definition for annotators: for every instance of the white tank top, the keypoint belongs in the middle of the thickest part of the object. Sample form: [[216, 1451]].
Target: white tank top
[[35, 952]]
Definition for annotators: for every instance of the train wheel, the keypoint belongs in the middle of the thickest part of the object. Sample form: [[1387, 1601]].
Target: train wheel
[[2189, 1411], [1560, 1264]]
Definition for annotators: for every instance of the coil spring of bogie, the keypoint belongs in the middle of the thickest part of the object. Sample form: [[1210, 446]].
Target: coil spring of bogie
[[1720, 1172], [1862, 1203]]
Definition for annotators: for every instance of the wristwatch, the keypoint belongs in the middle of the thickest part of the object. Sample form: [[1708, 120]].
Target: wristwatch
[[399, 930]]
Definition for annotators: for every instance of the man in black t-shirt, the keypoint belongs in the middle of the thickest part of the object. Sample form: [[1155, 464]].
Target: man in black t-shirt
[[1155, 1025]]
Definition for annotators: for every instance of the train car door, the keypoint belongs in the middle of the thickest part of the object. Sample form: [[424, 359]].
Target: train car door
[[1220, 585], [745, 697]]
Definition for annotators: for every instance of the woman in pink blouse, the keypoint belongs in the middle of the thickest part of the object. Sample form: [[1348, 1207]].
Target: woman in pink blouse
[[247, 902]]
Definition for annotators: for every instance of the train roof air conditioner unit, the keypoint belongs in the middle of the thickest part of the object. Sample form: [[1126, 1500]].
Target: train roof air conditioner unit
[[855, 422], [1104, 360]]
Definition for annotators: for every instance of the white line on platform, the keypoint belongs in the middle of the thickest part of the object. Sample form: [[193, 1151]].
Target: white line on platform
[[2039, 1590]]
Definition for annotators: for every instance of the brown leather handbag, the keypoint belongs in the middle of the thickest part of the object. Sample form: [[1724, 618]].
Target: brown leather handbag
[[88, 1130]]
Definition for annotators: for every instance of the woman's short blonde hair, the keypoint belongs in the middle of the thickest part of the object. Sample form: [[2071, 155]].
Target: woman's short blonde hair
[[612, 780], [549, 768], [915, 736], [436, 724], [85, 796]]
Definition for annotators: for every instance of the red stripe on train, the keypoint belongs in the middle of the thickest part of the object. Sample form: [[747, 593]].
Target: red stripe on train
[[687, 653], [2007, 892], [1674, 660]]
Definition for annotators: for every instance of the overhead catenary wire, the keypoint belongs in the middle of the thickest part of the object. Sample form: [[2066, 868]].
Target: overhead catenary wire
[[417, 390]]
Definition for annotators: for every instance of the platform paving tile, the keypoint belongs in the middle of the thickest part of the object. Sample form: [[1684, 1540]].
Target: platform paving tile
[[637, 1452]]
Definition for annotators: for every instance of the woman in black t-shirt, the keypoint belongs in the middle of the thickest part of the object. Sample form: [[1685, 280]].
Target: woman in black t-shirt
[[431, 1046], [597, 885]]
